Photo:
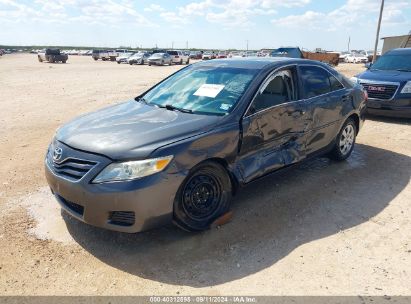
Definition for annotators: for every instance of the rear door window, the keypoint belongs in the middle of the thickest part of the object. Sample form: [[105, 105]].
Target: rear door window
[[315, 81]]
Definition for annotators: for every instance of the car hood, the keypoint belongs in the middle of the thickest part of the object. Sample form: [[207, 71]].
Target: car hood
[[392, 76], [132, 130]]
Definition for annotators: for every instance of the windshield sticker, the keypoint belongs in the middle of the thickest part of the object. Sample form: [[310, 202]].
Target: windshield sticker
[[209, 90], [225, 106]]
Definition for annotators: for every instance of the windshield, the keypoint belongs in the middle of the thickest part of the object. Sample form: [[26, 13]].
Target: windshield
[[157, 55], [393, 62], [202, 90]]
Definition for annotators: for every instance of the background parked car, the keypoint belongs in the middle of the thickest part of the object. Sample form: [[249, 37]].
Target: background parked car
[[388, 84], [123, 57], [342, 56], [99, 54], [356, 58], [139, 58], [160, 59], [236, 55], [209, 55], [178, 57], [52, 56], [196, 55], [222, 55]]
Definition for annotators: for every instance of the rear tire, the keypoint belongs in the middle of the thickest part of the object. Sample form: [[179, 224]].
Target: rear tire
[[345, 141], [203, 197], [188, 61], [39, 58]]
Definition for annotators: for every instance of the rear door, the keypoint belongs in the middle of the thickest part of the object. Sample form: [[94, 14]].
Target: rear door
[[273, 129], [326, 97]]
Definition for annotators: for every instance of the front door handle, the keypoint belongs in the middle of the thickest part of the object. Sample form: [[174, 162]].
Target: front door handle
[[296, 114]]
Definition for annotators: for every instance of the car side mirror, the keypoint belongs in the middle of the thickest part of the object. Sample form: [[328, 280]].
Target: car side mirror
[[368, 65]]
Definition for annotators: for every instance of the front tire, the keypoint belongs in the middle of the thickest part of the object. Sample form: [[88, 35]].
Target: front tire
[[344, 142], [204, 196]]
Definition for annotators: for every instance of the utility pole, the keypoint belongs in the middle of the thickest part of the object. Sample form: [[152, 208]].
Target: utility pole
[[378, 32], [172, 45], [187, 45], [247, 44], [349, 41]]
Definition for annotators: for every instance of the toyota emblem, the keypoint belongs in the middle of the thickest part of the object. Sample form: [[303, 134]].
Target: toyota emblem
[[57, 153]]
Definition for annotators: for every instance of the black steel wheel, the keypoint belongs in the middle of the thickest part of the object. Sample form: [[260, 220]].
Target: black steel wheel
[[203, 197]]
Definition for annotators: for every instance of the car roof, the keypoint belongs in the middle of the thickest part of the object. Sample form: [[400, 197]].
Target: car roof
[[403, 51], [257, 63]]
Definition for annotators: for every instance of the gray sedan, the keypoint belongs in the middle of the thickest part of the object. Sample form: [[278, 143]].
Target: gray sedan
[[180, 151], [160, 59]]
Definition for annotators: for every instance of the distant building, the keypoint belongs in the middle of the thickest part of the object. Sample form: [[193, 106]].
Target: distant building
[[394, 42]]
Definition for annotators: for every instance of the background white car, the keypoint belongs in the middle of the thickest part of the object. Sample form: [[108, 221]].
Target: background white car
[[178, 57], [356, 58], [123, 57]]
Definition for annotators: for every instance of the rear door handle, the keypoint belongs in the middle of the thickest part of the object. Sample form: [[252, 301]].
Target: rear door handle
[[346, 98]]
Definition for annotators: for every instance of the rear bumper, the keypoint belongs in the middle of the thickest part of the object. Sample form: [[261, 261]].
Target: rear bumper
[[395, 108]]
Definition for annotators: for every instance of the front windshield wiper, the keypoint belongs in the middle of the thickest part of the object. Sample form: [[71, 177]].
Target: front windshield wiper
[[141, 99], [404, 70], [173, 108]]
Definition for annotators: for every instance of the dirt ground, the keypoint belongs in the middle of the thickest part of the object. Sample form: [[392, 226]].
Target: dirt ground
[[323, 228]]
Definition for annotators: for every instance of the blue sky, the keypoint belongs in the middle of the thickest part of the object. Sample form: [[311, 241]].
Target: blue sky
[[219, 24]]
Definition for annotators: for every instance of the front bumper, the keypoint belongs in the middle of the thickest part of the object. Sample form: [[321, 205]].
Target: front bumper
[[129, 206], [156, 62], [400, 107]]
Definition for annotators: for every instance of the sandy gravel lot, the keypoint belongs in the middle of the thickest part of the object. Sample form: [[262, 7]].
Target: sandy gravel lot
[[323, 228]]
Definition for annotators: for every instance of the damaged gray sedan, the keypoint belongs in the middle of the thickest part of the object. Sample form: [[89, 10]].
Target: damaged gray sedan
[[179, 151]]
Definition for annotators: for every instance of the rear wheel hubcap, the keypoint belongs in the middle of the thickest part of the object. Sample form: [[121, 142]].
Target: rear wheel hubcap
[[347, 139]]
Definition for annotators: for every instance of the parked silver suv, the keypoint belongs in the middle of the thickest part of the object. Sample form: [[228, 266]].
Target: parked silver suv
[[178, 57]]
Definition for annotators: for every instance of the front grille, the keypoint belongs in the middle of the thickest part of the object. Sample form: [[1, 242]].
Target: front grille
[[380, 91], [72, 206], [122, 218], [73, 168]]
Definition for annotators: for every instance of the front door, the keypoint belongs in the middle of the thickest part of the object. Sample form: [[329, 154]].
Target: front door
[[273, 129]]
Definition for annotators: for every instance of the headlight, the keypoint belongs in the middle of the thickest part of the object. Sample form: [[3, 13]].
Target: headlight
[[354, 80], [407, 88], [132, 169]]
